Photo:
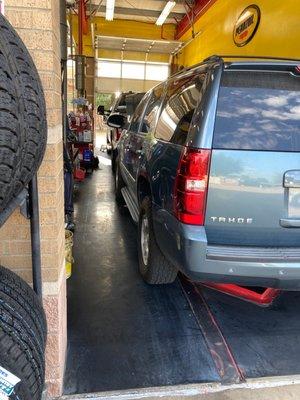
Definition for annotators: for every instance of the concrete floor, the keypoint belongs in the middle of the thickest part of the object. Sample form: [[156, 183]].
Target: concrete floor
[[125, 335]]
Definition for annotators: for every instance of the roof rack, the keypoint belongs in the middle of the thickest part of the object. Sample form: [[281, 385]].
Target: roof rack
[[199, 64], [220, 58], [217, 57], [214, 57]]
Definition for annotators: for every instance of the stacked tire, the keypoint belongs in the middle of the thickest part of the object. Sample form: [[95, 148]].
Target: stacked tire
[[23, 331], [23, 136], [23, 126]]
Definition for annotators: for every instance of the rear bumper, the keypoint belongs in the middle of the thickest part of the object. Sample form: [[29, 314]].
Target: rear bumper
[[186, 247]]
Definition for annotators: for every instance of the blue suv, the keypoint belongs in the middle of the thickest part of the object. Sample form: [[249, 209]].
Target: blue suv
[[209, 168]]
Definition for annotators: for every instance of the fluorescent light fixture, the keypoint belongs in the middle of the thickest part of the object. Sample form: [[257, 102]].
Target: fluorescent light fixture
[[110, 9], [165, 12]]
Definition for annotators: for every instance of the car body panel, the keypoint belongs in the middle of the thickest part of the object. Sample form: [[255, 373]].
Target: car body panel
[[244, 239], [163, 165], [187, 248], [247, 200]]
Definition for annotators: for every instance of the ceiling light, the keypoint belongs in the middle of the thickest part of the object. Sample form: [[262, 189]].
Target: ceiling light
[[110, 8], [165, 12]]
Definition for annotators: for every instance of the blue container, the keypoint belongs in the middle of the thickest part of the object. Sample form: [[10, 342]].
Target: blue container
[[87, 155]]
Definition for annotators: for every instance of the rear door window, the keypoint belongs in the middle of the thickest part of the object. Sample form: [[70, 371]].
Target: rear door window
[[151, 113], [138, 114], [258, 111], [182, 97]]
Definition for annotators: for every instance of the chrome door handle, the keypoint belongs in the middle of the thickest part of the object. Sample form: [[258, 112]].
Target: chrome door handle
[[289, 222], [291, 179]]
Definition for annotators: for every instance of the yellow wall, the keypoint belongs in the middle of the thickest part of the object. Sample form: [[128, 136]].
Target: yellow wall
[[278, 33], [133, 29], [124, 28]]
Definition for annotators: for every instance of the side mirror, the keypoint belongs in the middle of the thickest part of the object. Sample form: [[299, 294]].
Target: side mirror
[[116, 121]]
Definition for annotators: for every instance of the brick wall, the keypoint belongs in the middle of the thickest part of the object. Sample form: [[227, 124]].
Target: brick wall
[[38, 24]]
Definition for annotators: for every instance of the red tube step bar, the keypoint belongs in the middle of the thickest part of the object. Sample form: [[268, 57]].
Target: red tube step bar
[[265, 298]]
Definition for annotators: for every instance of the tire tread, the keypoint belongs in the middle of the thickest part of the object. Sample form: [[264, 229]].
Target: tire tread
[[23, 126], [159, 270]]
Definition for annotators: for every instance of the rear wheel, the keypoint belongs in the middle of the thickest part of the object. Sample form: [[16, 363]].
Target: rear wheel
[[153, 265]]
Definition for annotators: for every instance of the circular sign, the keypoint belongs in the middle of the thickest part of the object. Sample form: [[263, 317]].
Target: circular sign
[[246, 25]]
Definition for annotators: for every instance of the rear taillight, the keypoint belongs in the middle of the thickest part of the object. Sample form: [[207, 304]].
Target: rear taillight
[[191, 186]]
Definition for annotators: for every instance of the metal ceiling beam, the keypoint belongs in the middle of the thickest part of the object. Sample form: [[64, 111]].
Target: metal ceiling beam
[[137, 50], [137, 12], [199, 8], [125, 44]]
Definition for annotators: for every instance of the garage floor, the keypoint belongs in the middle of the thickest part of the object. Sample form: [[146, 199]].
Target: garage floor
[[125, 334]]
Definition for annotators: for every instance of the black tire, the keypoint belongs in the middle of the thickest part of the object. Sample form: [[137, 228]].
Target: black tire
[[119, 184], [23, 126], [17, 289], [157, 270], [21, 349]]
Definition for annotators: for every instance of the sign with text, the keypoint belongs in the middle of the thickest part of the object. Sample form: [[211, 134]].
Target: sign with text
[[7, 382], [246, 25]]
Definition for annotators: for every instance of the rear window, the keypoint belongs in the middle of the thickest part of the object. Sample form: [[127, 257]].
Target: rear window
[[258, 111]]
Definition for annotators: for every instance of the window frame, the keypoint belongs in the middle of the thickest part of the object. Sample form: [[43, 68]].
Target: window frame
[[146, 98], [162, 98], [191, 75]]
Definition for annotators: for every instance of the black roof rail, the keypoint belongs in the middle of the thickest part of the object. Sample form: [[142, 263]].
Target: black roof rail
[[199, 64], [214, 57], [218, 57]]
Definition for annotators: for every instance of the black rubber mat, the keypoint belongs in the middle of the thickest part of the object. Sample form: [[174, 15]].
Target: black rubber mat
[[123, 333], [264, 342]]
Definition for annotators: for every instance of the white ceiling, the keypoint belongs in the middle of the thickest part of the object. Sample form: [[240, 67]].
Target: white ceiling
[[140, 10]]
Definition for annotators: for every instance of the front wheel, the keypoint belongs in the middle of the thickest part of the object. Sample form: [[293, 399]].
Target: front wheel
[[153, 265]]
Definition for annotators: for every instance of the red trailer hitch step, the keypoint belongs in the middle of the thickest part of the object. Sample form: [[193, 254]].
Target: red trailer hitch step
[[264, 298]]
